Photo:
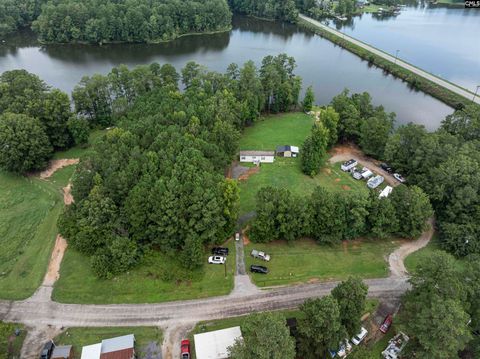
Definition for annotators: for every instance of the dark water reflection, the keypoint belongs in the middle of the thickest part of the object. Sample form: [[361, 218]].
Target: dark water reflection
[[328, 68]]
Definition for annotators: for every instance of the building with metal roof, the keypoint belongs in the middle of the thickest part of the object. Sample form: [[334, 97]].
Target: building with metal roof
[[62, 352], [214, 345], [114, 348], [257, 156]]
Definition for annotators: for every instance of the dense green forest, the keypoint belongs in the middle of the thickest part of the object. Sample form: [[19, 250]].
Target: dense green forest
[[156, 180], [270, 9], [100, 21], [15, 14], [104, 21], [34, 120]]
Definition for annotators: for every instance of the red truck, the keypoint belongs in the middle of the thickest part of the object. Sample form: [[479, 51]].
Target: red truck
[[185, 349]]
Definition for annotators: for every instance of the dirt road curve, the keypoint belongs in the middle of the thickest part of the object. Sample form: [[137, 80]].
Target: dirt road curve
[[448, 85], [45, 318]]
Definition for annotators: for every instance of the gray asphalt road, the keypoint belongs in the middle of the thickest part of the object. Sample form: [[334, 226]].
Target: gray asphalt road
[[448, 85]]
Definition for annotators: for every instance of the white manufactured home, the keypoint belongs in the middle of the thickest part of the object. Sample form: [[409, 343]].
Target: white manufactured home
[[257, 156], [349, 165]]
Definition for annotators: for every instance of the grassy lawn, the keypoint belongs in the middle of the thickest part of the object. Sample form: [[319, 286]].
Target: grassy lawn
[[79, 337], [11, 345], [378, 347], [29, 208], [373, 7], [278, 130], [304, 260], [158, 278], [291, 128]]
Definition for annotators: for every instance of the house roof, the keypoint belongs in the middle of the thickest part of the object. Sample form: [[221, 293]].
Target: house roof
[[118, 343], [119, 354], [214, 345], [92, 351], [257, 153], [62, 351], [287, 148]]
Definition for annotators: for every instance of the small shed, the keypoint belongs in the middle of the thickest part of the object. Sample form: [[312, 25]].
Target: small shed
[[62, 352], [214, 345], [349, 165], [287, 151], [257, 156]]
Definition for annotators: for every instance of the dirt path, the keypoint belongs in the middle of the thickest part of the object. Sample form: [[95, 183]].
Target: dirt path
[[397, 257], [341, 153], [55, 165], [53, 271]]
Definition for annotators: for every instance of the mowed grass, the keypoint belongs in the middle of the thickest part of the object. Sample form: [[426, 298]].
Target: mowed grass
[[288, 129], [158, 278], [305, 260], [286, 173], [29, 208], [277, 130], [80, 337]]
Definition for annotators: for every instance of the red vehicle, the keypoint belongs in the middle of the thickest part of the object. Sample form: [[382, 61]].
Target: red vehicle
[[185, 349], [387, 322]]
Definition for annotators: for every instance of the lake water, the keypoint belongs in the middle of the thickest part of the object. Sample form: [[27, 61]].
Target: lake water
[[443, 41], [328, 68]]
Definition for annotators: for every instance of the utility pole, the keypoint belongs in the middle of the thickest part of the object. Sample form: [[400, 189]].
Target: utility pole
[[475, 95], [396, 55]]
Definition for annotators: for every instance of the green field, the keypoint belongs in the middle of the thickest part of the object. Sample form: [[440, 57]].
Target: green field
[[29, 208], [158, 278], [79, 337], [278, 130], [305, 260], [291, 128]]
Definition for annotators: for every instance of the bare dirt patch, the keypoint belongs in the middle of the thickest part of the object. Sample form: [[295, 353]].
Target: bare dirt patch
[[348, 151], [55, 165], [337, 179], [396, 258], [327, 170], [251, 171], [67, 196], [246, 240], [53, 272], [346, 188]]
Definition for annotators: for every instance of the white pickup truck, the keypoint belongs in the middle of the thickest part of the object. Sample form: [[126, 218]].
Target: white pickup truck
[[260, 255]]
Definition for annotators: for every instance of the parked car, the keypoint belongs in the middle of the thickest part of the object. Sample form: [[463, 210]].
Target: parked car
[[237, 236], [260, 255], [220, 251], [47, 350], [216, 260], [344, 348], [387, 322], [258, 269], [399, 177], [357, 339], [386, 167], [185, 349]]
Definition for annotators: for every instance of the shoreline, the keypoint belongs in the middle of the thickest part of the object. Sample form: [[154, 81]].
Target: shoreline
[[415, 81]]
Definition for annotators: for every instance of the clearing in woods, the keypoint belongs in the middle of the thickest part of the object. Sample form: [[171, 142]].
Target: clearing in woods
[[288, 129]]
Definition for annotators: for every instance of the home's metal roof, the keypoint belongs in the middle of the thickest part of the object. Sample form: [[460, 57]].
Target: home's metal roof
[[257, 153], [214, 345], [92, 351], [118, 343], [287, 148]]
